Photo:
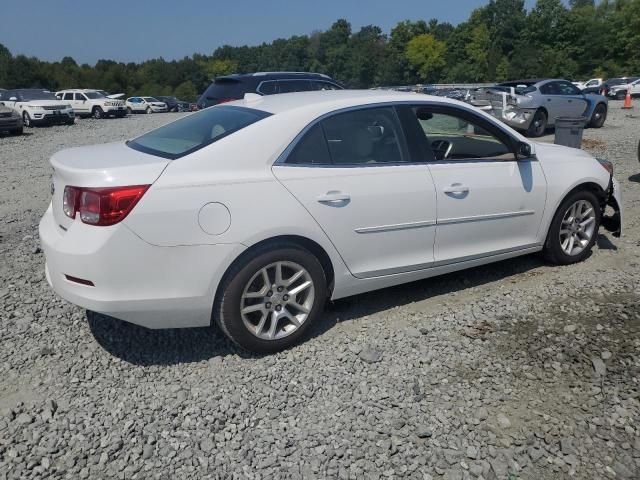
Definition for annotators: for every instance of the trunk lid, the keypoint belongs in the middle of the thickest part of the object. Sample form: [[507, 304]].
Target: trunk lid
[[108, 165]]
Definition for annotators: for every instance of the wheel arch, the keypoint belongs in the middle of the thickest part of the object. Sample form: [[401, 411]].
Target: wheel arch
[[306, 243], [587, 185]]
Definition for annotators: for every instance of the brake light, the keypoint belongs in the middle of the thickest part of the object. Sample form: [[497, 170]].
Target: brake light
[[101, 206]]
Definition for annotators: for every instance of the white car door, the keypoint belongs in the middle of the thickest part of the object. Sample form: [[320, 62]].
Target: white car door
[[80, 104], [352, 173], [488, 202]]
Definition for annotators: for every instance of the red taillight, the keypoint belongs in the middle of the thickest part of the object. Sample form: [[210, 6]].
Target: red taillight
[[225, 100], [101, 206]]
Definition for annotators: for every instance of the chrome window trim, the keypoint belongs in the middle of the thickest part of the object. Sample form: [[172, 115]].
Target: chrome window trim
[[282, 158]]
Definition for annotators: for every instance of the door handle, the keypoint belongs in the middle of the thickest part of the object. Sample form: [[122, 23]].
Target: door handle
[[334, 197], [456, 188]]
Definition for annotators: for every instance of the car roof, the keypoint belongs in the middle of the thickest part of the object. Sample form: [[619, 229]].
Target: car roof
[[325, 101]]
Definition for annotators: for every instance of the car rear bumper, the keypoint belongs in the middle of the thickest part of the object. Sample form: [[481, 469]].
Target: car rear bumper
[[151, 286]]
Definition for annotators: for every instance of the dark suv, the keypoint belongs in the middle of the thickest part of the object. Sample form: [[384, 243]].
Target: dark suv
[[233, 87]]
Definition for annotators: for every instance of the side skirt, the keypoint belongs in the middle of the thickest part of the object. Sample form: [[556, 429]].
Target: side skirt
[[354, 286]]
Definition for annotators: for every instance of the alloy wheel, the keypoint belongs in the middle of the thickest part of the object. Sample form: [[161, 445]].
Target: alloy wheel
[[277, 300], [577, 228]]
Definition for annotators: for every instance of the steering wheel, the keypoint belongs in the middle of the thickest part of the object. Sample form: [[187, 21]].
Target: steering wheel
[[441, 149]]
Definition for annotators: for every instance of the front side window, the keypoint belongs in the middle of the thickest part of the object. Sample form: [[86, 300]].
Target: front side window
[[80, 97], [196, 131], [454, 137]]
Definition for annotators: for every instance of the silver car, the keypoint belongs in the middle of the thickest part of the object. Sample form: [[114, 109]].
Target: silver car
[[532, 106]]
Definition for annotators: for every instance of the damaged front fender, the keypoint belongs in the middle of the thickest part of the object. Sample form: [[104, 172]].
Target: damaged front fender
[[613, 221]]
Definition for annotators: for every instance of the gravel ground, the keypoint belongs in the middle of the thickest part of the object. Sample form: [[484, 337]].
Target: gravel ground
[[513, 370]]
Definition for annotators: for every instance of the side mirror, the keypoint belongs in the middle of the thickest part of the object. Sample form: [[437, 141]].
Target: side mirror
[[13, 99], [523, 150]]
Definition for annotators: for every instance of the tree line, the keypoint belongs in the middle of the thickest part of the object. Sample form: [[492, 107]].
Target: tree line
[[500, 40]]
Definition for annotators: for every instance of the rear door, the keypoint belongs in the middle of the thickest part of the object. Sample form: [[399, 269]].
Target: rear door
[[354, 174], [573, 100]]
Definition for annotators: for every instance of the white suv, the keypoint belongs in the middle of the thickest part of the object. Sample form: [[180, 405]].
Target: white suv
[[145, 105], [93, 103], [38, 107]]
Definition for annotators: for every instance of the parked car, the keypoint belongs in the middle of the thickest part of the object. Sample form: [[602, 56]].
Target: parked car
[[592, 83], [145, 105], [272, 205], [10, 120], [173, 104], [233, 87], [533, 105], [193, 107], [38, 107], [619, 92], [92, 103], [608, 84]]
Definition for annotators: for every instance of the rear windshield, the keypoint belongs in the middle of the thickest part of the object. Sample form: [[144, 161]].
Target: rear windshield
[[196, 131]]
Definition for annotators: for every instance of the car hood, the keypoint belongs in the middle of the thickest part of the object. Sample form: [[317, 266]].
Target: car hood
[[559, 153], [47, 103], [116, 96]]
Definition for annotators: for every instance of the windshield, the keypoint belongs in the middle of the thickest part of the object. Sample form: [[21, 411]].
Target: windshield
[[196, 131], [150, 99], [94, 95], [28, 95]]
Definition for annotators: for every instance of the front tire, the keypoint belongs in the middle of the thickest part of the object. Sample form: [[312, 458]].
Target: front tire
[[129, 111], [599, 116], [269, 299], [148, 110], [538, 124], [17, 131], [26, 120], [98, 113], [574, 229]]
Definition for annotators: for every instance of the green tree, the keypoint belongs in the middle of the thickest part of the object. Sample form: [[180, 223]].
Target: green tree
[[427, 55], [186, 91]]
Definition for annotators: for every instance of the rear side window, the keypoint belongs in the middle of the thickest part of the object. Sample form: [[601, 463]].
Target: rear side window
[[368, 136], [289, 86], [356, 138], [269, 87], [196, 131], [312, 149]]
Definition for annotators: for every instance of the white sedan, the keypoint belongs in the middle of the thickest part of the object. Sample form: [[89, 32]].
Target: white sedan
[[145, 105], [252, 213]]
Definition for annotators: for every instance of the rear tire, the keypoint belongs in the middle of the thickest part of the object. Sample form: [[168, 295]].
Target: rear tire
[[573, 232], [17, 131], [262, 315], [538, 125], [599, 116]]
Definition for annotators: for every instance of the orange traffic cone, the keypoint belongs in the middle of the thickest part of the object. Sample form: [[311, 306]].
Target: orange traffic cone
[[627, 99]]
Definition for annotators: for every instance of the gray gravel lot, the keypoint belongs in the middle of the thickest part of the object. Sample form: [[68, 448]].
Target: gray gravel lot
[[513, 370]]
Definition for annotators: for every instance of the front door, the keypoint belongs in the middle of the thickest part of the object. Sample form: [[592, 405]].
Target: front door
[[353, 174], [488, 202]]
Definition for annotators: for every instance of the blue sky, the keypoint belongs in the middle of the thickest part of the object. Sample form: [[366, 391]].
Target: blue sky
[[135, 30]]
